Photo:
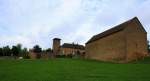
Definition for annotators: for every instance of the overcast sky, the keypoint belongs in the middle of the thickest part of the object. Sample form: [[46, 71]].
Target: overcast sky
[[31, 22]]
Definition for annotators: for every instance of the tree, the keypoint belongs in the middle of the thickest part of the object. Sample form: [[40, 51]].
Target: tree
[[15, 51], [25, 53], [19, 46], [148, 47], [48, 50], [1, 51], [37, 50], [6, 51]]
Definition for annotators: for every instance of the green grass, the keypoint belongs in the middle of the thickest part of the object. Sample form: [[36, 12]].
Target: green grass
[[72, 70]]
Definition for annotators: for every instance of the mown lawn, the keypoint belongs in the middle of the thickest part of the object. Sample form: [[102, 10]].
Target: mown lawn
[[72, 70]]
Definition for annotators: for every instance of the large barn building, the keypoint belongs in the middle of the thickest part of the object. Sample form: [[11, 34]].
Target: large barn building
[[123, 43]]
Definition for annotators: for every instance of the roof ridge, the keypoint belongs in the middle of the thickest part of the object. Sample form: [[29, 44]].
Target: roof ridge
[[114, 29], [75, 46]]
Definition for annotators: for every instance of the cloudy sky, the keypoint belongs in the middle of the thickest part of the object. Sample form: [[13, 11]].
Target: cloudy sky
[[33, 22]]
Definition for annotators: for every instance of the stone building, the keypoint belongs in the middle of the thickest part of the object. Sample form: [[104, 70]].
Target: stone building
[[32, 54], [123, 43], [73, 49], [66, 48], [56, 46]]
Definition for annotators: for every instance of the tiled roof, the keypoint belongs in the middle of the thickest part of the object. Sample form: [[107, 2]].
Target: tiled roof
[[111, 31], [75, 46]]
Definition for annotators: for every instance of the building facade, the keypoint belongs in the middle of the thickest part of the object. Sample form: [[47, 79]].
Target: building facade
[[123, 43], [66, 48], [73, 49]]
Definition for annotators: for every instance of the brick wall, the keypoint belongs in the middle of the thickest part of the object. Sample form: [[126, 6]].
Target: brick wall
[[67, 51], [110, 48], [136, 41]]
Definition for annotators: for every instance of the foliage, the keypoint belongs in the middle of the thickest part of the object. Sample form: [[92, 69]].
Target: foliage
[[37, 49], [6, 51], [148, 47], [16, 50], [25, 53], [1, 51], [48, 50]]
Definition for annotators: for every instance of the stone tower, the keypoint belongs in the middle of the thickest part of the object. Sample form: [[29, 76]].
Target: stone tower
[[56, 45]]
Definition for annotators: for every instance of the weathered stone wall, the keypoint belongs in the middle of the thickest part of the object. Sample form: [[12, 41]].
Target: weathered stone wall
[[56, 46], [32, 55], [136, 41], [67, 51], [110, 48]]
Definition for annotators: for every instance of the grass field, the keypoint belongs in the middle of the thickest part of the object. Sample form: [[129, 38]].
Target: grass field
[[73, 70]]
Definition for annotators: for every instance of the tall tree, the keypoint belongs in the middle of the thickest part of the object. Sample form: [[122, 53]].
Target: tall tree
[[37, 49], [1, 51], [19, 46], [15, 51], [48, 50], [148, 47], [6, 51], [25, 53]]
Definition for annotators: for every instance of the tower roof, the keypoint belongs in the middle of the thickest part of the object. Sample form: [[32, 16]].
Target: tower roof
[[75, 46], [56, 39]]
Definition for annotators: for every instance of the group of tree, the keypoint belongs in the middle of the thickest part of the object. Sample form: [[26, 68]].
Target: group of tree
[[16, 51], [38, 50], [19, 51]]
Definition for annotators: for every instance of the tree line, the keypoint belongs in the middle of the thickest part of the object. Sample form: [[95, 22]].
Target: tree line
[[19, 51], [15, 51]]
